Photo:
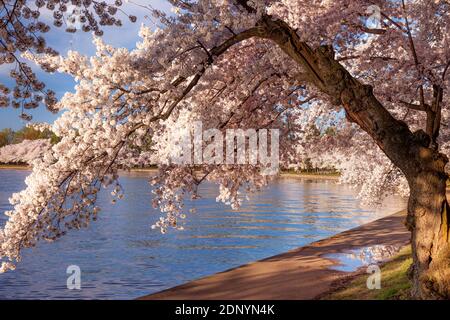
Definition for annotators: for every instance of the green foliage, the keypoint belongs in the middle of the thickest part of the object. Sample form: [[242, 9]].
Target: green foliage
[[330, 131], [8, 136], [395, 284]]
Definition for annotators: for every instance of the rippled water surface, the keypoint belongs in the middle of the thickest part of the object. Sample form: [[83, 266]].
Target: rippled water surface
[[120, 257]]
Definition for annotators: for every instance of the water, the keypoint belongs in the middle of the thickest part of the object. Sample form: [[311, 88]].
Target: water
[[120, 257], [354, 259]]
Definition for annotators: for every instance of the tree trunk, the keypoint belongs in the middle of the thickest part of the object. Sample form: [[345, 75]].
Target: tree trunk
[[428, 220], [428, 210]]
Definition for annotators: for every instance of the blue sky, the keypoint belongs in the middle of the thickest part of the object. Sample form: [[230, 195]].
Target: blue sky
[[57, 38]]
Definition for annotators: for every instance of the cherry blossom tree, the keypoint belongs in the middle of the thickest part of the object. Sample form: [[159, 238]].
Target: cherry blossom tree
[[22, 29], [23, 152], [376, 72]]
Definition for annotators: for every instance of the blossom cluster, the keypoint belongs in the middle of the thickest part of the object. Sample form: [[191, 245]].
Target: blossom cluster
[[203, 65]]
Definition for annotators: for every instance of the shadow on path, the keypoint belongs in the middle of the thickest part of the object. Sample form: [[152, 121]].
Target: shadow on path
[[302, 273]]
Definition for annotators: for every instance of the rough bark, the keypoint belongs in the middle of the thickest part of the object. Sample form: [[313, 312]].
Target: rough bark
[[428, 220], [412, 153]]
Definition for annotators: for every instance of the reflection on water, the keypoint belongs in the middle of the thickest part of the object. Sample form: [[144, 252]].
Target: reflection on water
[[121, 257], [352, 260]]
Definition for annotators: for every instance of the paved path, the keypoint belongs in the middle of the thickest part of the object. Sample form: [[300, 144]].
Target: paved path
[[301, 273]]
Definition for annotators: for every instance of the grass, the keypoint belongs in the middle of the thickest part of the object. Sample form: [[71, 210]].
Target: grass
[[395, 284]]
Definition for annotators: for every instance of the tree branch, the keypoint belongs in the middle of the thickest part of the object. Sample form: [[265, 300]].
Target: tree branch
[[415, 106], [361, 106]]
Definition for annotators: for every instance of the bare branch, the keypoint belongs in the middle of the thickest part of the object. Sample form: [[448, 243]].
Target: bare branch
[[415, 106]]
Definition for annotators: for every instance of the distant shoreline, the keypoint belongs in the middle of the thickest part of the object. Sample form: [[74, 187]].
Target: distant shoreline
[[14, 167], [310, 176], [318, 176]]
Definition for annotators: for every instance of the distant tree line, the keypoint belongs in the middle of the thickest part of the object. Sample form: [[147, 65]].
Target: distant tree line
[[9, 136]]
